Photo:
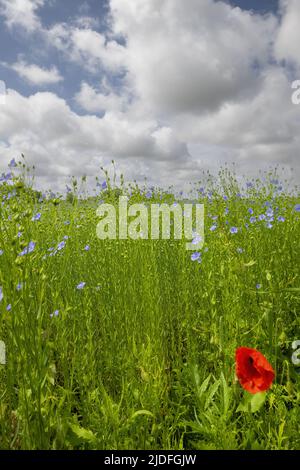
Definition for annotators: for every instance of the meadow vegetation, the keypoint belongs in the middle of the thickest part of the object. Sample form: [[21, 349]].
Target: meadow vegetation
[[123, 344]]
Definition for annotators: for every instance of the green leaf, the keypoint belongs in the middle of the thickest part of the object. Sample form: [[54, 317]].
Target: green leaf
[[257, 401], [82, 433], [251, 263], [226, 394], [211, 393], [292, 289], [204, 386], [142, 413], [252, 403]]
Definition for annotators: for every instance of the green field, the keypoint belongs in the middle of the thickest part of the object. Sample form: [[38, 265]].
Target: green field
[[142, 356]]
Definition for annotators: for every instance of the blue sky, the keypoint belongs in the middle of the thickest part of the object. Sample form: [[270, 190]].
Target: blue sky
[[51, 13], [56, 11], [260, 6], [166, 88]]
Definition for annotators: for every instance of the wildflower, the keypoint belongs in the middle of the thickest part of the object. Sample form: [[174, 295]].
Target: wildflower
[[104, 185], [81, 285], [54, 314], [61, 245], [281, 219], [297, 207], [251, 211], [195, 256], [234, 230], [258, 286], [12, 163], [254, 372], [262, 217], [87, 248], [213, 228], [28, 249], [252, 220], [148, 195], [240, 250], [270, 212], [5, 177], [19, 286], [1, 293], [197, 240], [1, 252], [8, 308], [36, 217]]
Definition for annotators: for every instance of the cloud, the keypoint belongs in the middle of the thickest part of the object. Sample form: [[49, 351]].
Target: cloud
[[60, 143], [255, 133], [96, 102], [288, 38], [86, 47], [191, 57], [36, 75], [188, 85], [21, 13]]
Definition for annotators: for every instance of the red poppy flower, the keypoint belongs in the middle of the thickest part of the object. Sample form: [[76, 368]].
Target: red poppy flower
[[254, 372]]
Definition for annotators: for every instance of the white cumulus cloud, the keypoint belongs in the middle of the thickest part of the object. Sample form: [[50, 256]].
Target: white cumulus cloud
[[288, 38], [21, 13], [36, 75], [189, 85], [96, 102]]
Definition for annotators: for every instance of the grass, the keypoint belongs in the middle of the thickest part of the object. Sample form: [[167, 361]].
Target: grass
[[143, 356]]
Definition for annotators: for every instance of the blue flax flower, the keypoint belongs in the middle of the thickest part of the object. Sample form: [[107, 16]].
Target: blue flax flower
[[195, 256], [81, 285], [54, 314], [36, 217], [28, 249]]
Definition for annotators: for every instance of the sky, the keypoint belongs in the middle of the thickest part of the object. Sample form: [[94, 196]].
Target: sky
[[166, 88]]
